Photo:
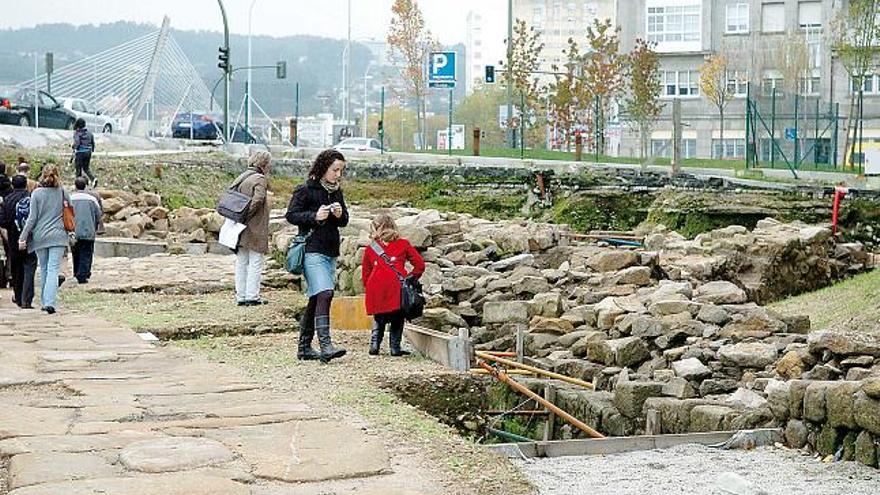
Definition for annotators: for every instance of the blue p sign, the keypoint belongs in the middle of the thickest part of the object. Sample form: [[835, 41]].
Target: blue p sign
[[441, 70]]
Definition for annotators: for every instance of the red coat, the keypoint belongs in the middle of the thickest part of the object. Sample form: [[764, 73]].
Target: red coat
[[381, 283]]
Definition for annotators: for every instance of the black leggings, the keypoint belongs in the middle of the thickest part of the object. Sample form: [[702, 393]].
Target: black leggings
[[318, 307], [82, 162]]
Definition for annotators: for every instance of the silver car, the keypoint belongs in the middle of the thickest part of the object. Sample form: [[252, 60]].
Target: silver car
[[359, 144], [95, 120]]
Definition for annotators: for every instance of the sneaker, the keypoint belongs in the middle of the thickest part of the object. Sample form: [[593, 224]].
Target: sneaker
[[256, 302], [61, 279], [50, 310]]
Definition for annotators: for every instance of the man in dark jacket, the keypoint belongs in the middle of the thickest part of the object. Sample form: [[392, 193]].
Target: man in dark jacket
[[22, 264], [83, 146]]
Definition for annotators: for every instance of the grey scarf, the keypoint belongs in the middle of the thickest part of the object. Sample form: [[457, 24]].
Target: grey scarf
[[330, 187]]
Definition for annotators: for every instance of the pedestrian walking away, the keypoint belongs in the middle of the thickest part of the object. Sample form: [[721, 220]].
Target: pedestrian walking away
[[83, 147], [45, 235], [87, 212], [383, 264], [24, 169], [23, 265], [318, 209], [253, 244]]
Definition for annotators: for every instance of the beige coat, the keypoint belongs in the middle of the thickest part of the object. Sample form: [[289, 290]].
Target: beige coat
[[256, 236]]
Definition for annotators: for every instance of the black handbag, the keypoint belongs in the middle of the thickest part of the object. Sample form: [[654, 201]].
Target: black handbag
[[235, 205], [412, 301]]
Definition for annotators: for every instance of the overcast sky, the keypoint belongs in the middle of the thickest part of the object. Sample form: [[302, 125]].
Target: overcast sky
[[370, 18]]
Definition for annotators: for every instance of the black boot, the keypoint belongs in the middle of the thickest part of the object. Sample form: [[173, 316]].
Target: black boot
[[328, 352], [306, 333], [395, 336], [376, 338]]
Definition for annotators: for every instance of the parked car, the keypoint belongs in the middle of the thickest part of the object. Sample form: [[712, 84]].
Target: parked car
[[196, 125], [95, 120], [20, 110], [359, 144], [209, 126]]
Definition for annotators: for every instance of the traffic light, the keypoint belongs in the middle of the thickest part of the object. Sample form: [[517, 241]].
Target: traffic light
[[490, 74], [381, 126], [224, 59], [281, 70]]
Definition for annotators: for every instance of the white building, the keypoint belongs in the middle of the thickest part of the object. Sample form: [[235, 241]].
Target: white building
[[475, 56]]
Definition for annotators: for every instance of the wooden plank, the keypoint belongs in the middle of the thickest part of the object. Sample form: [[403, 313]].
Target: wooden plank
[[349, 313], [613, 445], [452, 351]]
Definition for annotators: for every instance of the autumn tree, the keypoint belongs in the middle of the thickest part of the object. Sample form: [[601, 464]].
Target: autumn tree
[[564, 96], [854, 36], [713, 85], [480, 109], [642, 103], [411, 44], [520, 69], [603, 69]]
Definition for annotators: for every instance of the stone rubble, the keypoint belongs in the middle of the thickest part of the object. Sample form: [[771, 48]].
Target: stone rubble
[[676, 327]]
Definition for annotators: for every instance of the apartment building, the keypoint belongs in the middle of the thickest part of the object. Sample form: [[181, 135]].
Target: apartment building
[[476, 66], [780, 46], [559, 20]]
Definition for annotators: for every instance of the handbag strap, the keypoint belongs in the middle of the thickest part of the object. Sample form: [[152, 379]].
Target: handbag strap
[[243, 177], [382, 254]]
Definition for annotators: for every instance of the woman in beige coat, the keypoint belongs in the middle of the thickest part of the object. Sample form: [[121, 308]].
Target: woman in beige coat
[[253, 244]]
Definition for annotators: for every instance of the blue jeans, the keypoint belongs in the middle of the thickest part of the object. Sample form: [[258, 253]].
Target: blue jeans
[[50, 264]]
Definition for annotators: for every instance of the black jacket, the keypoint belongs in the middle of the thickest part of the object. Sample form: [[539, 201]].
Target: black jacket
[[7, 210], [301, 212]]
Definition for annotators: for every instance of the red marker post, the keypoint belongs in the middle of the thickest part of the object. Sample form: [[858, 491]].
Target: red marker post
[[839, 193]]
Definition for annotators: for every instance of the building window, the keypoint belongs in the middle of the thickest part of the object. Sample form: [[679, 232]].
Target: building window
[[732, 148], [737, 18], [773, 17], [662, 148], [681, 83], [738, 82], [871, 85], [810, 15], [809, 86], [674, 23], [538, 17], [769, 84]]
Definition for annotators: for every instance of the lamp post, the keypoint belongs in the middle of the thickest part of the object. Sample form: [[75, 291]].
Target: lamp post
[[344, 85], [247, 87], [510, 134], [367, 77], [227, 73]]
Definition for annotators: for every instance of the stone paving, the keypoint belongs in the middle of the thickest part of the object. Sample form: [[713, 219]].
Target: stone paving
[[88, 407]]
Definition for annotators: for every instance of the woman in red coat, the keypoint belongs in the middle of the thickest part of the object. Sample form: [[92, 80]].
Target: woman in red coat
[[382, 284]]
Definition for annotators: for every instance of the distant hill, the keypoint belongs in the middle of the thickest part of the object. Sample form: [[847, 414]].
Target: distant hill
[[312, 61]]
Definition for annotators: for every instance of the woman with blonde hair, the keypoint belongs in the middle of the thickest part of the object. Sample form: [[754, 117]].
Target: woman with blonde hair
[[44, 233], [384, 264]]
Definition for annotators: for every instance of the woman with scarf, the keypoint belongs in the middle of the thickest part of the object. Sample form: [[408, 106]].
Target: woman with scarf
[[318, 209]]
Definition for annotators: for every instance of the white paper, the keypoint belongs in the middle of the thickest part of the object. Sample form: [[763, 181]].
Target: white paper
[[230, 232]]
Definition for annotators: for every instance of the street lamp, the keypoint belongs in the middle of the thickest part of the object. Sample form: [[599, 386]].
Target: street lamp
[[344, 85], [367, 77], [247, 87]]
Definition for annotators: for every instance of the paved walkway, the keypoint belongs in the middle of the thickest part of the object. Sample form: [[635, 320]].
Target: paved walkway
[[88, 407]]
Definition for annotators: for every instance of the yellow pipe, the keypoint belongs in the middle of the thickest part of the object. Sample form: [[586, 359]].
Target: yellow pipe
[[538, 371]]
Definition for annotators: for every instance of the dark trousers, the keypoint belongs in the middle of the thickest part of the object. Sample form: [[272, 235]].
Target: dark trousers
[[83, 253], [395, 323], [24, 267], [82, 161]]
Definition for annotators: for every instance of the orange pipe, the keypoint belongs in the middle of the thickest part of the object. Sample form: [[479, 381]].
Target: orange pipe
[[533, 369], [502, 376]]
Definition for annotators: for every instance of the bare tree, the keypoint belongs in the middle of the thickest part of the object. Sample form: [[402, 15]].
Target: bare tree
[[854, 36], [411, 44]]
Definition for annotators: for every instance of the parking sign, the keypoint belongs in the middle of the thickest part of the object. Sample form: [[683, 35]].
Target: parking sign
[[441, 70]]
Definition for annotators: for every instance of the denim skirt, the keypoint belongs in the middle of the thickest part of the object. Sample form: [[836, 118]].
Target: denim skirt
[[320, 273]]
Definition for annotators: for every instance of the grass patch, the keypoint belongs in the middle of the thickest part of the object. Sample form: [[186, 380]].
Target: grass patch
[[187, 315], [838, 303]]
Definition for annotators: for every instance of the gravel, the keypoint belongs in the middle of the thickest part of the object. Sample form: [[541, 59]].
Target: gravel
[[696, 469]]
